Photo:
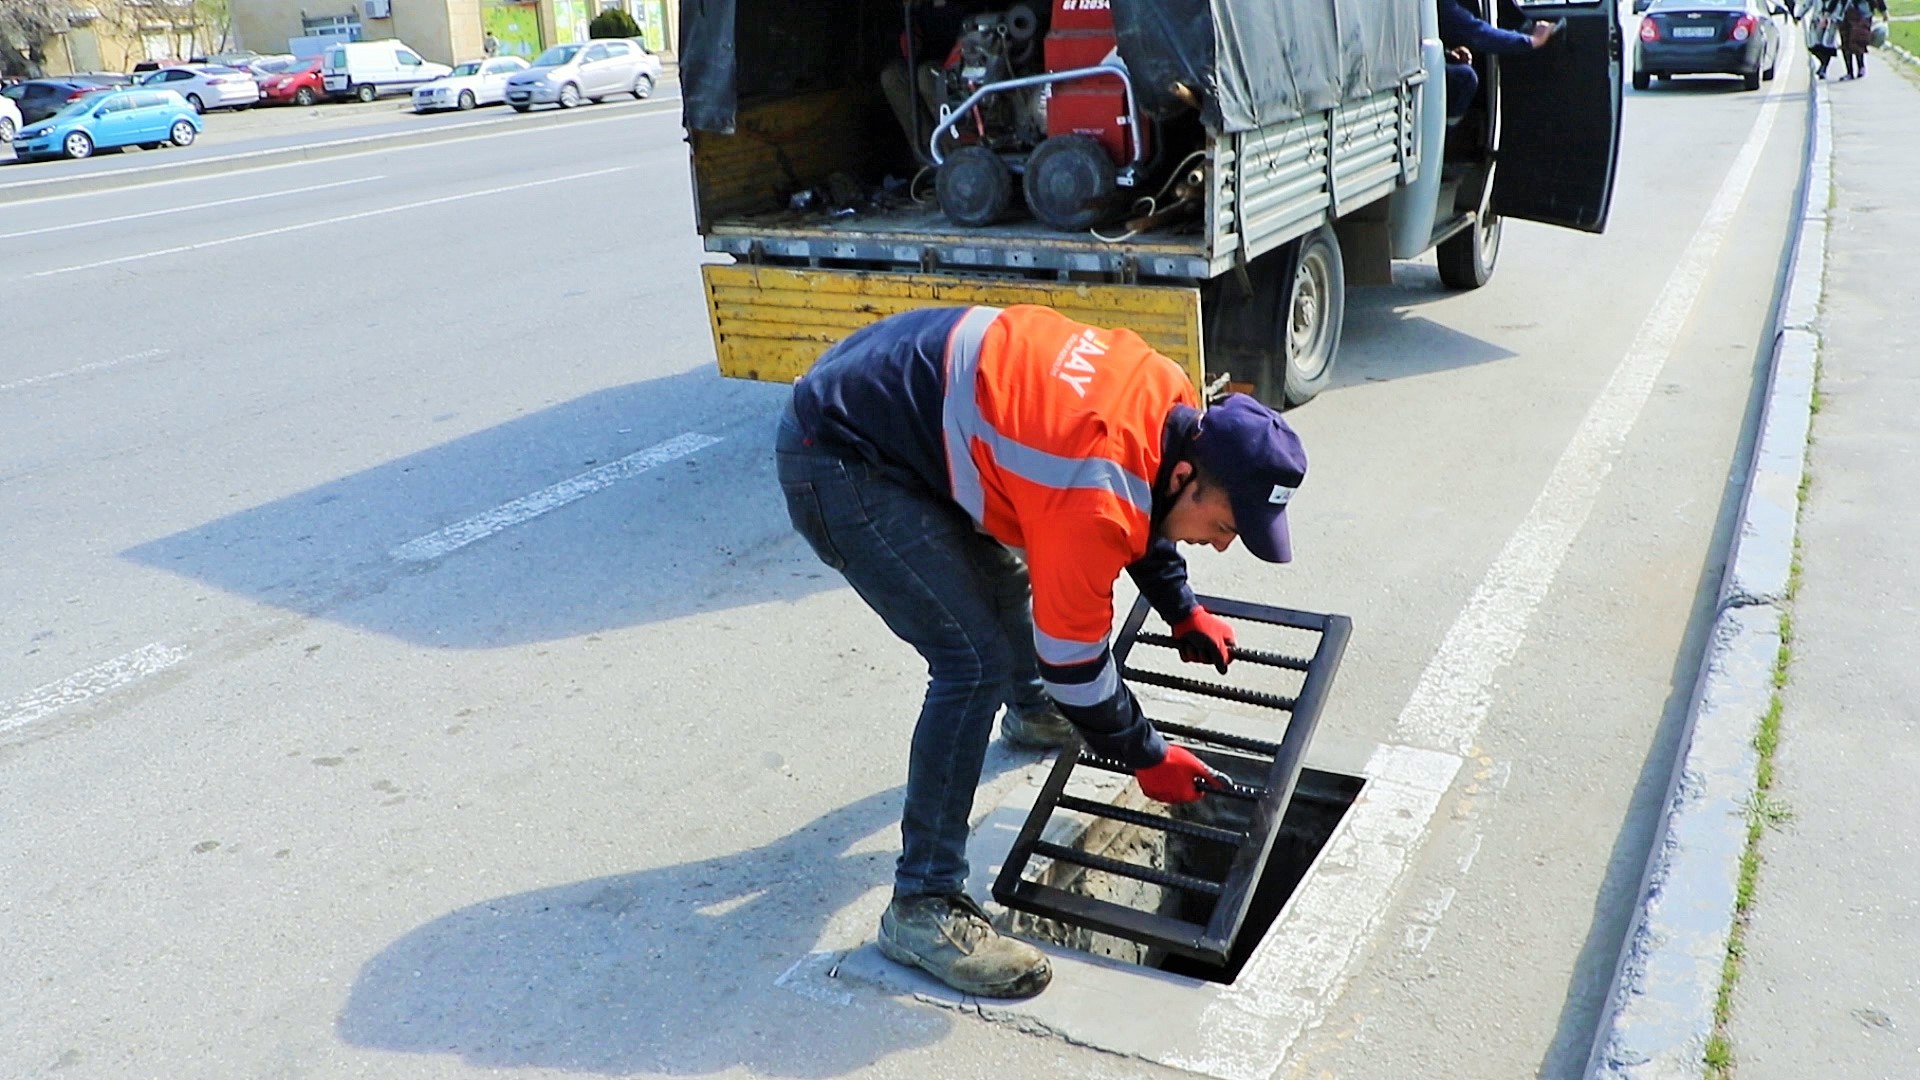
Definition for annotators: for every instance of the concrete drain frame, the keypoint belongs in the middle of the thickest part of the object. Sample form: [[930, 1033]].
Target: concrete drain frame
[[1359, 811], [1190, 894]]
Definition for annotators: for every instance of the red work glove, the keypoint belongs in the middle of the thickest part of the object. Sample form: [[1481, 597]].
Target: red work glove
[[1205, 638], [1175, 779]]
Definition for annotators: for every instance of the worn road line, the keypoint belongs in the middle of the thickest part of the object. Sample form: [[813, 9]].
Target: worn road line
[[1303, 965], [639, 112], [40, 703], [97, 365], [526, 508], [192, 206], [343, 218]]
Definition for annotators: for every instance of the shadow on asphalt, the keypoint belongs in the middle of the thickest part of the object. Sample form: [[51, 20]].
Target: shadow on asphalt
[[1616, 902], [1383, 339], [700, 533], [669, 970]]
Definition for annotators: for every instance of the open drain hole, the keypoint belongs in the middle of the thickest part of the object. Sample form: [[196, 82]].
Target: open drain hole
[[1320, 802]]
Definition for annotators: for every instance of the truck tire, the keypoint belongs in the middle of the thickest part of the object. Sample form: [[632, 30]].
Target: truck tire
[[1316, 303], [365, 93], [1467, 257], [1252, 335]]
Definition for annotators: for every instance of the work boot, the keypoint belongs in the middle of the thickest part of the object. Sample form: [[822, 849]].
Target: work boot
[[950, 938], [1036, 727]]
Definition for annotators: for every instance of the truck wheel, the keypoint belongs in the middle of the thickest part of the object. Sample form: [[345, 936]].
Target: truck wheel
[[366, 92], [1277, 331], [1316, 302], [1467, 257], [974, 187]]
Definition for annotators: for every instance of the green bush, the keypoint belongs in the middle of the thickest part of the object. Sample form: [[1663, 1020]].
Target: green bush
[[613, 23]]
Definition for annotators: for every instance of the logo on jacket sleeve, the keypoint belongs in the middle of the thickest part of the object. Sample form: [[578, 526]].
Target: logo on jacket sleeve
[[1074, 365]]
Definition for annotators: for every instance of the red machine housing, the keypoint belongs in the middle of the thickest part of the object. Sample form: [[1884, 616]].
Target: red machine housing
[[1081, 35]]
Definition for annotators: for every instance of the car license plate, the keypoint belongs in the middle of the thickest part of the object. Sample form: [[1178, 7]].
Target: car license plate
[[1693, 31]]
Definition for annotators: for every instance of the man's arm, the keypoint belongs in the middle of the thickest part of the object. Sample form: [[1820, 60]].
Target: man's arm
[[1458, 26], [1161, 576], [1073, 566]]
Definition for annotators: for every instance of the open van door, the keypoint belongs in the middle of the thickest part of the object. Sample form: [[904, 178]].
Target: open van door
[[1560, 119]]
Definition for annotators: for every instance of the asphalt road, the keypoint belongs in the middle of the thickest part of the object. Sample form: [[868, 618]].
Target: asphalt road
[[409, 671]]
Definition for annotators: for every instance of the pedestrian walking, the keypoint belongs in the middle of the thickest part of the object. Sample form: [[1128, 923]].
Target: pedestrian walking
[[980, 477], [1820, 22], [1856, 34], [490, 44]]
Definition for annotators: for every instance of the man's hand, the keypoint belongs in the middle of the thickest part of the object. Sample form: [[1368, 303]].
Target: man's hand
[[1177, 778], [1540, 32], [1460, 54], [1205, 638]]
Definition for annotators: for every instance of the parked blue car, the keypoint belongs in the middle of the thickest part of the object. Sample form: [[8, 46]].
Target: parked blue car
[[138, 117]]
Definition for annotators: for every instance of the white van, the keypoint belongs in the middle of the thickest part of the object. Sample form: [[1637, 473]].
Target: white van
[[367, 69]]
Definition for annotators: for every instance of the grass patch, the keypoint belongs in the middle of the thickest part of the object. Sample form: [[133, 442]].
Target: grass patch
[[1903, 7], [1906, 34]]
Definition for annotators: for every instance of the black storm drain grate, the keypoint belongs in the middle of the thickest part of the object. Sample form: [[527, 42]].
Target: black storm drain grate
[[1264, 774]]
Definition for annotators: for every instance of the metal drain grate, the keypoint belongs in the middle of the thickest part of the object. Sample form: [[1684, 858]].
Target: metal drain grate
[[1275, 764]]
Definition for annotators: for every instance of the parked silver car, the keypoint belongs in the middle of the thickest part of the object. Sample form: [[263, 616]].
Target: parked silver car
[[587, 70]]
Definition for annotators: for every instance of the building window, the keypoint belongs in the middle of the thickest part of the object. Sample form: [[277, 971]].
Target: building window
[[337, 26]]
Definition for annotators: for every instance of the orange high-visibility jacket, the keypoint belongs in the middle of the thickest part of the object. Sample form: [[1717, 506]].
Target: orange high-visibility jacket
[[1051, 434]]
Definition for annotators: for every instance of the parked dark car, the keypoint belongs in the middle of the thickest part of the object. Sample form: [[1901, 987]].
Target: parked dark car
[[41, 98], [1706, 37]]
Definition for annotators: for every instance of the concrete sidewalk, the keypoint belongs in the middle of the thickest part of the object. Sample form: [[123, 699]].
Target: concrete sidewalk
[[1829, 984]]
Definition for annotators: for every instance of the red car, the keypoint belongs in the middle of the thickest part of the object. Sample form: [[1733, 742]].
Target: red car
[[298, 85]]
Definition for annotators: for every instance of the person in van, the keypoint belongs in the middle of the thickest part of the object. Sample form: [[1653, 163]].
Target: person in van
[[1463, 32]]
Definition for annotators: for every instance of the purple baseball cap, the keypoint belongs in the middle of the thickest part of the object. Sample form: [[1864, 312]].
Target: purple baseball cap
[[1252, 452]]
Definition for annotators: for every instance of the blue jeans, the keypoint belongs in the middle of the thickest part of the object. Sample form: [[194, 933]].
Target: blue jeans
[[953, 593]]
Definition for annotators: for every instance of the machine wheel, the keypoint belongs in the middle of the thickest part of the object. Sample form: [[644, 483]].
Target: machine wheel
[[1641, 80], [1468, 256], [1070, 183], [198, 105], [974, 187], [466, 100], [569, 96], [304, 97], [643, 87], [182, 133], [365, 93], [6, 129], [1751, 80], [77, 145], [1772, 65], [521, 108]]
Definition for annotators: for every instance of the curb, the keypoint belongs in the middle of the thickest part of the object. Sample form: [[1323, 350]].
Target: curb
[[23, 190], [1660, 1010]]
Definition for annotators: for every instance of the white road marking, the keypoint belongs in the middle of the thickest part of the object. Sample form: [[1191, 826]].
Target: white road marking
[[97, 365], [99, 679], [362, 215], [1302, 966], [526, 508], [191, 206], [636, 114]]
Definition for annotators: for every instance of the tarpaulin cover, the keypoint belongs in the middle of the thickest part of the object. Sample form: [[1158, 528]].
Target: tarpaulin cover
[[1250, 62]]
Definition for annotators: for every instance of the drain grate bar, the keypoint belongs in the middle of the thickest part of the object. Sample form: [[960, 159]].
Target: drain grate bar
[[1249, 656], [1152, 874], [1220, 738], [1151, 821], [1208, 689], [1245, 817]]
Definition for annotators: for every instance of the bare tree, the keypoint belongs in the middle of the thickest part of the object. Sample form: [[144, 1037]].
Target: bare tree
[[26, 26]]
